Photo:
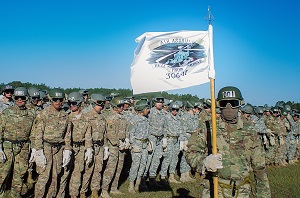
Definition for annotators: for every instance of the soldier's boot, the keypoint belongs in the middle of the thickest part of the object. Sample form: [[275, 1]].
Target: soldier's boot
[[163, 181], [82, 195], [173, 180], [197, 176], [137, 185], [143, 185], [185, 177], [131, 188], [115, 191], [95, 194], [153, 183], [30, 180], [104, 194], [283, 163]]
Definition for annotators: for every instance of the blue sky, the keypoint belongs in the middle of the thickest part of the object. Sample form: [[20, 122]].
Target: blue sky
[[90, 44]]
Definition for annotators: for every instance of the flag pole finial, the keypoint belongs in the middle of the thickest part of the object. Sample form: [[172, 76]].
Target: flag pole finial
[[209, 16]]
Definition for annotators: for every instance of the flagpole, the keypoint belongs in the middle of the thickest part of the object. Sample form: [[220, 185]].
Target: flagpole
[[213, 100]]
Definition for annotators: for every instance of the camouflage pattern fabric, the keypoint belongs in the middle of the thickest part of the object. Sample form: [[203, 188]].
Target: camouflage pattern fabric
[[15, 125], [241, 149], [4, 104]]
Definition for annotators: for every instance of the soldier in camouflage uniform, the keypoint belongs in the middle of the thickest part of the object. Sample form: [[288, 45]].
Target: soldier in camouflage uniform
[[53, 148], [190, 124], [295, 124], [156, 121], [294, 132], [239, 148], [117, 132], [173, 134], [85, 94], [81, 143], [284, 127], [15, 125], [140, 146], [6, 101], [92, 174]]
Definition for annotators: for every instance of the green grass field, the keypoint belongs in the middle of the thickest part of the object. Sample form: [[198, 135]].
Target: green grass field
[[284, 183]]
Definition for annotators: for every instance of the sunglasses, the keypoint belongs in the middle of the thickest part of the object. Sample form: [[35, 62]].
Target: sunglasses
[[23, 98], [57, 99], [9, 91], [35, 98], [73, 103], [233, 103], [175, 110]]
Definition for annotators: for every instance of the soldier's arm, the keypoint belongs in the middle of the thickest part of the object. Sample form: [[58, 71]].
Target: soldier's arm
[[259, 168], [88, 136], [2, 125], [196, 152], [68, 136], [37, 133]]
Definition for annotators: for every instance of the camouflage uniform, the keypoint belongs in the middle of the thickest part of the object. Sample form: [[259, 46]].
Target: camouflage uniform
[[190, 125], [139, 134], [282, 122], [117, 128], [5, 104], [81, 140], [272, 124], [156, 130], [92, 173], [241, 149], [52, 134], [16, 124], [174, 133], [292, 139]]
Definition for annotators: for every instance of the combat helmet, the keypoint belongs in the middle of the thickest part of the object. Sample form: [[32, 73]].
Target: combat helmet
[[141, 105], [285, 110], [259, 110], [248, 108], [97, 99], [117, 102], [231, 95], [56, 93], [75, 98], [7, 87], [21, 92], [34, 93]]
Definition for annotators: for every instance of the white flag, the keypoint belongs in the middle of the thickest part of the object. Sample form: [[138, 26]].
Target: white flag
[[171, 60]]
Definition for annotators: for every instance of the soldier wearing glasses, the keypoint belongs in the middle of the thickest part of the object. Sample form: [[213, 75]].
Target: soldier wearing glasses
[[7, 97], [15, 125], [240, 149], [52, 147]]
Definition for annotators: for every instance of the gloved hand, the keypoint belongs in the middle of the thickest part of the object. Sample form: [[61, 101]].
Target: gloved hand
[[150, 146], [164, 142], [106, 153], [121, 145], [185, 145], [181, 145], [32, 156], [127, 143], [66, 157], [40, 159], [88, 156], [213, 162], [135, 148], [2, 155], [272, 140]]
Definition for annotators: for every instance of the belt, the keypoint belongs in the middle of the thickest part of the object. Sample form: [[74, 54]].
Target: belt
[[17, 142], [55, 144], [78, 144], [233, 184], [98, 143], [142, 140], [174, 137]]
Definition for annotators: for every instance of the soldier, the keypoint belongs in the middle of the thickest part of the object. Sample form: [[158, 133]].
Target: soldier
[[173, 135], [117, 131], [292, 147], [15, 124], [156, 130], [239, 148], [53, 148], [107, 106], [85, 94], [247, 110], [190, 124], [34, 96], [81, 143], [139, 134], [7, 100], [92, 173], [284, 127]]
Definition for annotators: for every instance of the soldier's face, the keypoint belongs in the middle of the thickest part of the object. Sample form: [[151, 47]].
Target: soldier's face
[[20, 102], [158, 105], [174, 112], [57, 103], [8, 93], [74, 107], [98, 108]]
